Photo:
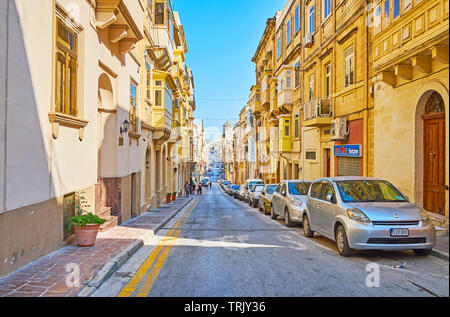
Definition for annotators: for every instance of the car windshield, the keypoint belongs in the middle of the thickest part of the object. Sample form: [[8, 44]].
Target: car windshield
[[299, 188], [369, 191], [271, 189]]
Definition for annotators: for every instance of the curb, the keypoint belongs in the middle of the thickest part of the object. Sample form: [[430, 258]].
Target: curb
[[439, 254], [117, 261]]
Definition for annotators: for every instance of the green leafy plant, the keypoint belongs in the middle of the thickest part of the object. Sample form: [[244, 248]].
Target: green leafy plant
[[82, 219]]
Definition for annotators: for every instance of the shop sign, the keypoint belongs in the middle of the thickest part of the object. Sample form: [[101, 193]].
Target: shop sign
[[348, 150]]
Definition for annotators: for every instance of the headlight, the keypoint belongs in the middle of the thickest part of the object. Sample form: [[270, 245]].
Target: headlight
[[297, 203], [425, 215], [357, 215]]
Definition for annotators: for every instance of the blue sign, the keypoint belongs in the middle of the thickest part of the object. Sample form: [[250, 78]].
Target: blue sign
[[348, 150]]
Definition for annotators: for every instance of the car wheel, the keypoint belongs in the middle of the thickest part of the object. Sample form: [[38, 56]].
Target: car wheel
[[272, 213], [422, 252], [306, 227], [287, 218], [342, 242]]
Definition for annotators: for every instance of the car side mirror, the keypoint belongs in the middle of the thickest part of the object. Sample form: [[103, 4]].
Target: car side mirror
[[331, 198]]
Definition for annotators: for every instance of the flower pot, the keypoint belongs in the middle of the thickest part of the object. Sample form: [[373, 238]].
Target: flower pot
[[87, 235], [174, 196], [169, 198]]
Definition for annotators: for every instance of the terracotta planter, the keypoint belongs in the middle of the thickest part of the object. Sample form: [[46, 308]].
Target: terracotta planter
[[87, 235], [174, 197], [169, 198]]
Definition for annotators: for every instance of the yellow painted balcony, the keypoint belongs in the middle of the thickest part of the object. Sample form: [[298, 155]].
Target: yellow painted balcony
[[265, 98], [318, 112], [162, 119]]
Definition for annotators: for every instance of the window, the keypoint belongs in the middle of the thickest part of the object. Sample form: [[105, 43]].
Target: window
[[286, 130], [299, 188], [288, 82], [279, 47], [297, 19], [326, 190], [150, 7], [170, 27], [349, 66], [288, 32], [377, 19], [168, 99], [133, 119], [149, 80], [311, 87], [315, 189], [328, 80], [311, 155], [407, 4], [159, 13], [387, 13], [297, 75], [158, 98], [297, 126], [66, 71], [326, 8], [311, 20], [396, 8]]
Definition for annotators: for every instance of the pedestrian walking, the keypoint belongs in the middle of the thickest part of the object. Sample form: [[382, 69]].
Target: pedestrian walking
[[193, 188], [199, 189], [210, 185], [186, 188]]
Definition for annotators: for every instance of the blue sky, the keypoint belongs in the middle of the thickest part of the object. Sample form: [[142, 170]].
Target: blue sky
[[222, 37]]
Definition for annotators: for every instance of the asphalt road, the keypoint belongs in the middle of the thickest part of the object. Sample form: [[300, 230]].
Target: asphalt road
[[220, 247]]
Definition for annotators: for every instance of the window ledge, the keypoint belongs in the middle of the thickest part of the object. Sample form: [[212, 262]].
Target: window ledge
[[56, 119]]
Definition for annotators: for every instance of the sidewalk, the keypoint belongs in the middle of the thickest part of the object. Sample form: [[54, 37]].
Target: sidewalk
[[47, 276], [441, 248]]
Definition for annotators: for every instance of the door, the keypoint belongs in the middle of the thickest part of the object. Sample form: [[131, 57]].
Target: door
[[325, 209], [434, 163], [328, 162]]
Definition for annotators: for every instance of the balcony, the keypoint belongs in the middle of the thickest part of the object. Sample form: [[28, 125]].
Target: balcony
[[285, 98], [162, 119], [121, 19], [285, 89], [318, 112], [265, 98]]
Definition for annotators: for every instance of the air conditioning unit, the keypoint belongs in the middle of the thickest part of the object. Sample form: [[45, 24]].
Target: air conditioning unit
[[308, 41], [339, 129]]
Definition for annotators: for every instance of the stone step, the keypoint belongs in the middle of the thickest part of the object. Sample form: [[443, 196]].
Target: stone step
[[112, 221], [104, 212]]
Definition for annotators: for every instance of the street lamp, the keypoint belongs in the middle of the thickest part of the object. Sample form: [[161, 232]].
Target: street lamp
[[124, 127]]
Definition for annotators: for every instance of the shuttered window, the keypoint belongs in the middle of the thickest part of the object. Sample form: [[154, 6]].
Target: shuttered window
[[349, 166]]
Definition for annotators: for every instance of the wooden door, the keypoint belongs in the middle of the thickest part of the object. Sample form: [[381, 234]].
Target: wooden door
[[434, 163], [328, 162]]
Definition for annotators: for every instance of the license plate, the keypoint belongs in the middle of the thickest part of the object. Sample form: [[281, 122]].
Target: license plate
[[399, 232]]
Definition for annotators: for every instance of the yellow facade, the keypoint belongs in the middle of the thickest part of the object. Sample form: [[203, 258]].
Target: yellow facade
[[409, 66]]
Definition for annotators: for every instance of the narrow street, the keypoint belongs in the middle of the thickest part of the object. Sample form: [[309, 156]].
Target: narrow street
[[220, 247]]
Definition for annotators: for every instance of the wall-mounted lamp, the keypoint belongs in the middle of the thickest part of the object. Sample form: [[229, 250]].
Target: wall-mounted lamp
[[124, 127]]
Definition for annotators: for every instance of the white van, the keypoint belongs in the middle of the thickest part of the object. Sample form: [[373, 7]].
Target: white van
[[248, 184]]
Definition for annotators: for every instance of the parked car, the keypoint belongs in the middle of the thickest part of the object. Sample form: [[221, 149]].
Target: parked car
[[253, 195], [366, 214], [235, 192], [265, 198], [289, 201], [229, 188], [240, 193], [225, 183], [248, 184], [232, 190]]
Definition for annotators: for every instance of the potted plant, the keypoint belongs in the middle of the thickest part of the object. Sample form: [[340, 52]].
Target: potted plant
[[86, 225], [169, 197], [174, 196]]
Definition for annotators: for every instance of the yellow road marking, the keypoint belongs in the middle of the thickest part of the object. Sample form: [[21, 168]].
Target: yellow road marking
[[148, 283], [132, 285]]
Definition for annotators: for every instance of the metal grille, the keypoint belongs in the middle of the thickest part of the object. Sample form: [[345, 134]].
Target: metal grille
[[397, 241], [349, 166], [395, 223]]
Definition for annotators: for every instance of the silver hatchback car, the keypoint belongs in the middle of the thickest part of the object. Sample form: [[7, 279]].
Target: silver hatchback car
[[366, 214], [289, 201]]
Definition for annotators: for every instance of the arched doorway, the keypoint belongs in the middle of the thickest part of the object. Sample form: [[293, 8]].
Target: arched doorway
[[434, 149]]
